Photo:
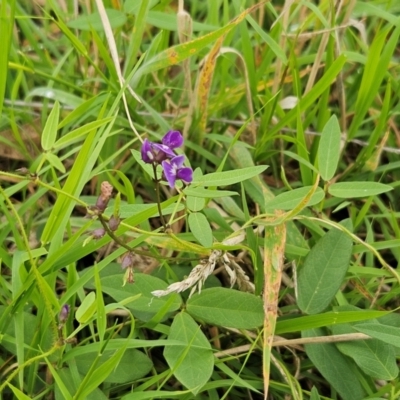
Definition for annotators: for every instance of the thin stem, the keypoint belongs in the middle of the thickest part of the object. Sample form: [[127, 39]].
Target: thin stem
[[157, 182]]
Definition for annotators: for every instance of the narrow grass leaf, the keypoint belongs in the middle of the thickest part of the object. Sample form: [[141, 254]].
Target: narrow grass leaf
[[227, 307], [100, 309], [229, 177], [176, 54], [326, 319], [336, 368], [275, 48], [346, 190], [96, 377], [329, 149], [56, 94], [309, 99], [291, 199], [208, 193], [192, 362], [93, 21], [201, 229], [324, 270], [59, 381], [20, 395], [7, 13], [379, 57]]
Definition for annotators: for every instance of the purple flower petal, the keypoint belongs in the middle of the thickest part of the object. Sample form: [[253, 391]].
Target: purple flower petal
[[172, 139], [146, 151], [178, 161], [185, 174], [162, 152], [170, 173]]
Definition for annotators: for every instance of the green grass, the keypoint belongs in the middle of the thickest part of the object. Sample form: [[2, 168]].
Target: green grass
[[309, 244]]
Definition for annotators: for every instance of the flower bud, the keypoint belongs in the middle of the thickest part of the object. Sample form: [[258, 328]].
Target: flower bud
[[105, 196], [98, 233], [114, 222]]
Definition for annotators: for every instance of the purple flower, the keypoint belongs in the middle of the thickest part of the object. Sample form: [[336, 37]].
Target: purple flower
[[158, 152], [172, 139], [63, 316], [174, 169]]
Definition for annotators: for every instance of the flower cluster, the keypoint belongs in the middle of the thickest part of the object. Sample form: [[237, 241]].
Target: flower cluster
[[163, 154]]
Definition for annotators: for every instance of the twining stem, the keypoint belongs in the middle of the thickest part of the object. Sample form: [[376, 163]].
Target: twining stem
[[157, 182]]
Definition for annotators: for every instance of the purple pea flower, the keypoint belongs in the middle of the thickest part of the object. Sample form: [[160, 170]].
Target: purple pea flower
[[158, 152], [174, 169]]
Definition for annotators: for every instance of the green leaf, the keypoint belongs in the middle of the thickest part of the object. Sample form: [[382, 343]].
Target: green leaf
[[289, 200], [346, 190], [93, 21], [326, 319], [192, 362], [275, 47], [70, 380], [337, 369], [86, 310], [227, 307], [208, 193], [20, 395], [176, 54], [201, 229], [229, 177], [79, 133], [375, 358], [323, 271], [146, 306], [55, 162], [49, 133], [329, 148], [133, 365], [314, 394], [385, 333], [195, 203], [56, 94], [101, 312]]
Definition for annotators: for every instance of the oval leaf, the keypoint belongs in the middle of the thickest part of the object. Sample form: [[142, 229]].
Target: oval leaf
[[289, 200], [227, 307], [133, 365], [86, 310], [323, 271], [329, 149], [192, 362], [385, 333], [50, 129], [336, 368], [201, 229], [344, 190], [375, 358], [146, 306]]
